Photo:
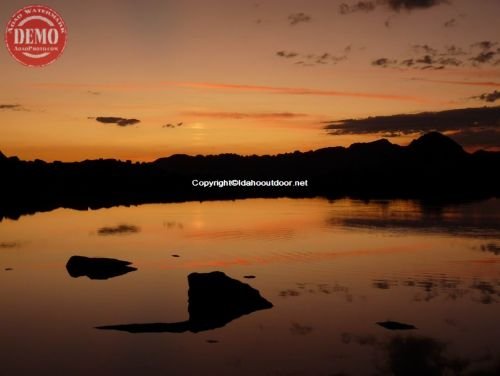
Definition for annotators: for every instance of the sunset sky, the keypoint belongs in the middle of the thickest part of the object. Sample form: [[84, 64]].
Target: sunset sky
[[206, 77]]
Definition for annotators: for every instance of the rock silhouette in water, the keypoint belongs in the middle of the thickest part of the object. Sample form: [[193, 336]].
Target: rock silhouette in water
[[97, 268], [394, 325], [214, 300]]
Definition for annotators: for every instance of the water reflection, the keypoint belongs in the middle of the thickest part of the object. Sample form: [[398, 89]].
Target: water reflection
[[470, 219], [492, 248], [331, 269], [214, 301], [450, 288], [411, 355], [118, 230]]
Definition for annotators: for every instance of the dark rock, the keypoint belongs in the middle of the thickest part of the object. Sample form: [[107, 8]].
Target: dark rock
[[394, 325], [176, 256], [249, 276], [8, 269], [214, 301], [97, 268]]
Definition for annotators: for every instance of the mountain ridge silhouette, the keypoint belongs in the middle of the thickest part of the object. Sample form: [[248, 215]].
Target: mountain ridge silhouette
[[432, 167]]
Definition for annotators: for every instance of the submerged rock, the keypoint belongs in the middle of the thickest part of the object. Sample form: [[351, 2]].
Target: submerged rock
[[394, 325], [97, 267], [214, 300]]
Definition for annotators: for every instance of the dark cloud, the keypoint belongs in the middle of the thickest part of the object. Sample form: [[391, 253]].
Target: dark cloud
[[489, 97], [424, 48], [450, 61], [170, 125], [393, 5], [433, 67], [12, 107], [312, 59], [423, 62], [450, 23], [483, 57], [468, 126], [118, 230], [453, 50], [484, 45], [484, 138], [296, 18], [287, 54], [122, 122], [383, 62], [397, 5], [360, 6], [422, 122], [9, 245], [408, 62], [428, 57]]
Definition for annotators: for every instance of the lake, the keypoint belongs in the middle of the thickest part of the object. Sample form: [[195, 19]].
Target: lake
[[331, 269]]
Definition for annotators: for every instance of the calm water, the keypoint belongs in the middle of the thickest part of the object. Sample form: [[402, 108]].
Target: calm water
[[331, 269]]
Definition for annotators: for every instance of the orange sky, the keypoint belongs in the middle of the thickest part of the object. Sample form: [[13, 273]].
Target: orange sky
[[213, 66]]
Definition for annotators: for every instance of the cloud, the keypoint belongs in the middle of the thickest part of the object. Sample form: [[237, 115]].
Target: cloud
[[170, 125], [489, 97], [9, 245], [483, 57], [360, 6], [246, 115], [466, 83], [11, 107], [392, 5], [428, 57], [298, 91], [453, 50], [423, 62], [484, 45], [312, 59], [487, 53], [469, 126], [397, 5], [118, 230], [484, 137], [287, 54], [168, 85], [424, 48], [383, 62], [296, 18], [92, 92], [122, 122], [450, 23]]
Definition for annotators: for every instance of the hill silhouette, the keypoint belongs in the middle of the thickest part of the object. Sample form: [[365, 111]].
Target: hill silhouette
[[431, 167]]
